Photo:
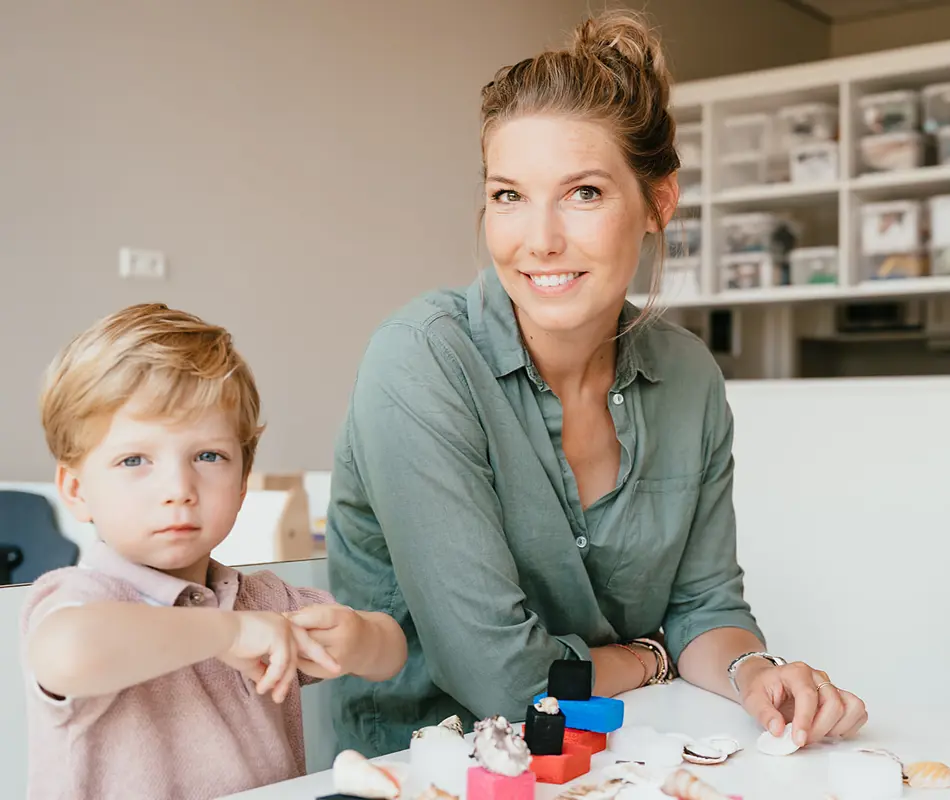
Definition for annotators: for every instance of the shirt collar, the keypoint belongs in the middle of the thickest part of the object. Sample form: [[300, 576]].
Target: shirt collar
[[497, 336], [162, 589]]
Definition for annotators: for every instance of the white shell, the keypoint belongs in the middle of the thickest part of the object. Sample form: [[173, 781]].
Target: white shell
[[449, 728], [453, 723], [725, 744], [702, 752], [644, 744], [498, 749], [355, 775], [548, 705], [777, 745]]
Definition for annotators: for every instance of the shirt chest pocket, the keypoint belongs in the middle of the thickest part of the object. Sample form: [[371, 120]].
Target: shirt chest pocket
[[652, 533]]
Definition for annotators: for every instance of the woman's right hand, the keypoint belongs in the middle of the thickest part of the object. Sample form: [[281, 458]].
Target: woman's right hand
[[265, 648]]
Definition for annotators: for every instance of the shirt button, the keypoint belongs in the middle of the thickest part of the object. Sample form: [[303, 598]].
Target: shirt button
[[196, 598], [581, 541], [618, 399]]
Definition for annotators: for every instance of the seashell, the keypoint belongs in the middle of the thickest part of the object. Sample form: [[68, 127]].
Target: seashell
[[777, 745], [435, 793], [646, 745], [606, 790], [450, 727], [927, 775], [498, 749], [724, 744], [686, 786], [355, 775], [703, 753], [548, 705]]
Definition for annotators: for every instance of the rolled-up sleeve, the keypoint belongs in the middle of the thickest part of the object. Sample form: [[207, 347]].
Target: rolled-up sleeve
[[421, 451], [708, 589]]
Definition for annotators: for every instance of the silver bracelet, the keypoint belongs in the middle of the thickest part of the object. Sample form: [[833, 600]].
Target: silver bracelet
[[778, 661]]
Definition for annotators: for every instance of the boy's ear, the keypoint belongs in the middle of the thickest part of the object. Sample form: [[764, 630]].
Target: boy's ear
[[71, 492]]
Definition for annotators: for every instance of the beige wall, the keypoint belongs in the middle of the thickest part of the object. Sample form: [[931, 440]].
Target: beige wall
[[306, 166], [920, 26], [708, 38]]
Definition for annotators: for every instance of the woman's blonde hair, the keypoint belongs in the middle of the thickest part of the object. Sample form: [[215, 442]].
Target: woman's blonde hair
[[182, 366], [613, 72]]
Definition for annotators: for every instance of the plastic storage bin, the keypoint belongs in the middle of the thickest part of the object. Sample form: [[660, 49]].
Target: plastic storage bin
[[892, 151], [890, 112], [689, 145], [943, 146], [890, 266], [684, 238], [814, 162], [746, 134], [680, 278], [936, 107], [751, 271], [897, 227], [940, 235], [803, 124], [761, 232], [811, 265]]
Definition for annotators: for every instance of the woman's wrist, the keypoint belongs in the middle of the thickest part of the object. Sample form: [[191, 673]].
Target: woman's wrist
[[645, 657]]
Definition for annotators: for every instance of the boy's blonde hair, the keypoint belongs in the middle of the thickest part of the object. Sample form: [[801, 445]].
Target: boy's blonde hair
[[184, 365]]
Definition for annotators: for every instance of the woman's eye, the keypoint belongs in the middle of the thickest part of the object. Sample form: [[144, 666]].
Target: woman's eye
[[132, 461], [209, 456], [506, 196], [586, 194]]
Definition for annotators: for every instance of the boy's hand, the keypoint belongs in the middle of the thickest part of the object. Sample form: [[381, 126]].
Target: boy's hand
[[340, 631], [267, 650]]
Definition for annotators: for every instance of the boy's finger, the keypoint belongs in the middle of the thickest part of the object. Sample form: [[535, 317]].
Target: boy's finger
[[278, 659], [282, 689], [315, 652], [315, 616]]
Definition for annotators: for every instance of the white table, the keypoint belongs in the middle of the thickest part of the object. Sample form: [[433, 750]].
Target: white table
[[683, 708]]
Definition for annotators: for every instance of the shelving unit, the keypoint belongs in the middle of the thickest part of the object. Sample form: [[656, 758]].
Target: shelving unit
[[828, 212]]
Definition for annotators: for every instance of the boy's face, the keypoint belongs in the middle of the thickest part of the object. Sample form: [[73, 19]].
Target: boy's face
[[161, 493]]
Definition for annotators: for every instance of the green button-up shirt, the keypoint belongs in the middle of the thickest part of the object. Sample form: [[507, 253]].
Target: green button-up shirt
[[454, 509]]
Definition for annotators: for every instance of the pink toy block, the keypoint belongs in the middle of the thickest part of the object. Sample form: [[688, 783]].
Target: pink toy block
[[485, 785]]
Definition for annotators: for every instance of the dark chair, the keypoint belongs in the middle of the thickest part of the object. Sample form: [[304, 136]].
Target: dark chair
[[31, 538]]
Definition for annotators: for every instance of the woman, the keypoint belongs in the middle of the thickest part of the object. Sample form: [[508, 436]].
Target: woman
[[531, 469]]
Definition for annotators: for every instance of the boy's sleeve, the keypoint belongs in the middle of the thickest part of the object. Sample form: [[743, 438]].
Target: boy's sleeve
[[52, 592]]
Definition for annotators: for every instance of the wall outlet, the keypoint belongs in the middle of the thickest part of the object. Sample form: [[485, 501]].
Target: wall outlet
[[141, 264]]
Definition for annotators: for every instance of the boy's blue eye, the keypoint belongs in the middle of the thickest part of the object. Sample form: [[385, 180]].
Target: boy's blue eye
[[132, 461], [209, 456]]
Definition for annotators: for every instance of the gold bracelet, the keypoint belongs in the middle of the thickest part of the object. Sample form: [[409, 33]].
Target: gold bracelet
[[636, 655], [663, 672]]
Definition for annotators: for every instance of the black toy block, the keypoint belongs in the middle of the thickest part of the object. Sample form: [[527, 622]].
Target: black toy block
[[544, 733], [570, 680]]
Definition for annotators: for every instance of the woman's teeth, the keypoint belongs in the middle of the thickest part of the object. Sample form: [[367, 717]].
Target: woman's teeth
[[554, 280]]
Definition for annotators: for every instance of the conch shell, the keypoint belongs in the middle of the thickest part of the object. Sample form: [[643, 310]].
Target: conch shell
[[498, 749], [593, 791], [449, 726], [435, 793], [927, 775], [686, 786], [355, 775]]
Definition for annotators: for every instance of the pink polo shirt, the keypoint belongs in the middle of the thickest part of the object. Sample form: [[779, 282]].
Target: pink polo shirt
[[199, 732]]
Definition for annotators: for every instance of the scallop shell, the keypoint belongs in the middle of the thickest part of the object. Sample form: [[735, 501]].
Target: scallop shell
[[777, 745], [928, 775], [724, 744], [703, 753], [356, 775], [498, 749]]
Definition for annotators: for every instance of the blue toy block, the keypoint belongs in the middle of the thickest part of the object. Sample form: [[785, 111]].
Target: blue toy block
[[598, 715]]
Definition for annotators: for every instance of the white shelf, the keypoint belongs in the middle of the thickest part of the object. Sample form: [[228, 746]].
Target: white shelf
[[779, 295], [777, 192], [924, 177]]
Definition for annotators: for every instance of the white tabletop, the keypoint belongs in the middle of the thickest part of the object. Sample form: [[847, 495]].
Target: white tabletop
[[682, 708]]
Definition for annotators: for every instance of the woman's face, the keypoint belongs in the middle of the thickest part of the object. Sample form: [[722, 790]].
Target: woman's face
[[565, 219]]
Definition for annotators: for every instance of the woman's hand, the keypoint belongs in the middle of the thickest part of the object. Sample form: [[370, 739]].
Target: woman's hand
[[803, 696]]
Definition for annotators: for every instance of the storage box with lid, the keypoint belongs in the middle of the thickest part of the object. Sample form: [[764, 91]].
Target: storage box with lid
[[892, 151], [814, 162], [689, 145], [893, 240], [740, 271], [940, 234], [807, 123], [890, 112], [747, 134], [684, 238], [813, 265], [680, 278], [943, 146], [763, 232], [936, 107]]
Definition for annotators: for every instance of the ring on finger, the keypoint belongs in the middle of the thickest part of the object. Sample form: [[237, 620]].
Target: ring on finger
[[822, 685]]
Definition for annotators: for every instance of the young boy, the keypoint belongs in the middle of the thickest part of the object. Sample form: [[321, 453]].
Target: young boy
[[154, 671]]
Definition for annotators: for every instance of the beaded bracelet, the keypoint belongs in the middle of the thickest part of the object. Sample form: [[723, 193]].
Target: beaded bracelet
[[663, 672], [636, 655]]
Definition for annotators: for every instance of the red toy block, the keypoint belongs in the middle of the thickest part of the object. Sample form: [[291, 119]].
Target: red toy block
[[485, 785], [572, 763], [595, 742]]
